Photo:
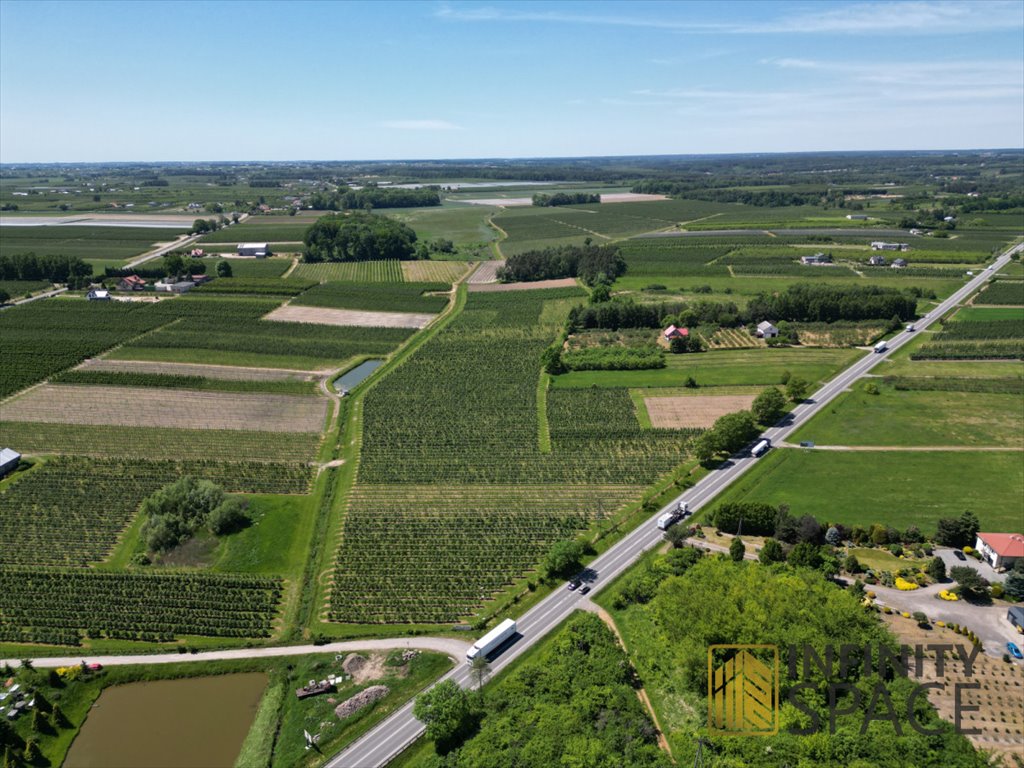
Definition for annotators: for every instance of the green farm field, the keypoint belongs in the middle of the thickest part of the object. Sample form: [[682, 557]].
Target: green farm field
[[898, 488], [386, 271], [269, 267], [85, 242], [914, 418], [259, 229], [722, 368], [462, 224], [971, 313]]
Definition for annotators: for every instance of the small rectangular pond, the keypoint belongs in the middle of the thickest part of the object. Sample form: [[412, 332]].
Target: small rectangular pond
[[197, 722], [348, 380]]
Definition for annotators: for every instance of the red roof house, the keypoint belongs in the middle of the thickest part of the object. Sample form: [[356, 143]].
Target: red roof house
[[676, 333], [1001, 550]]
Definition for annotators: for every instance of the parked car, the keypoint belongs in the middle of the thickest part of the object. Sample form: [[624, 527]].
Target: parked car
[[959, 554], [1014, 651]]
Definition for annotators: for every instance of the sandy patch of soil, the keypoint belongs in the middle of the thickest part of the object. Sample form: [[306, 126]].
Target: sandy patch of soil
[[365, 668], [326, 316], [487, 272], [693, 411], [566, 282], [157, 407]]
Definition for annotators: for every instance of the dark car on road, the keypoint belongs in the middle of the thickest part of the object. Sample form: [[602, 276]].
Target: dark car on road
[[574, 584], [585, 590]]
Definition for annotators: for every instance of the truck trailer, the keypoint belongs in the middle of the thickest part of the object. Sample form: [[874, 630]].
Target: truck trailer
[[761, 448], [881, 346], [669, 519], [492, 639]]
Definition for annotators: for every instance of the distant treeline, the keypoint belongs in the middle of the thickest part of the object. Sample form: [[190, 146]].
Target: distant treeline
[[626, 313], [56, 269], [563, 198], [374, 197], [808, 302], [590, 263], [768, 198], [358, 237]]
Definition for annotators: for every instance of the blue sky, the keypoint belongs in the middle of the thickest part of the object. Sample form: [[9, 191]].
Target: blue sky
[[95, 81]]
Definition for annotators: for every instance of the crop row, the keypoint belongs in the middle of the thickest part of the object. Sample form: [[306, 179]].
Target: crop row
[[269, 286], [132, 605], [387, 271], [72, 510], [391, 297], [43, 337], [462, 412], [1008, 349], [1005, 292], [226, 445], [981, 329], [457, 545]]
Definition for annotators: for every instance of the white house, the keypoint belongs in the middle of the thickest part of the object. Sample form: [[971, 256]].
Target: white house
[[1000, 550], [9, 460], [898, 263], [766, 330], [877, 261], [180, 286], [258, 250], [98, 295]]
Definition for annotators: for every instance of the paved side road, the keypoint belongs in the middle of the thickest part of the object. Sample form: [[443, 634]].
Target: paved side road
[[454, 648]]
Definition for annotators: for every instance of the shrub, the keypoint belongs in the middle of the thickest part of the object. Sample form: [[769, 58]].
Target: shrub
[[904, 585]]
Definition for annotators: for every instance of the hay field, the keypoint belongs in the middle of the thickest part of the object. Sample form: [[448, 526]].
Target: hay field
[[696, 411]]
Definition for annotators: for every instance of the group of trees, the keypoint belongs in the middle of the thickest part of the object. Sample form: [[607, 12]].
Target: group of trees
[[573, 704], [815, 302], [358, 237], [176, 263], [958, 532], [176, 512], [202, 226], [728, 434], [619, 313], [768, 198], [52, 267], [371, 197], [591, 263], [563, 198]]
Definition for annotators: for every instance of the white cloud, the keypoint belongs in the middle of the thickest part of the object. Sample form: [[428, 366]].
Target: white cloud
[[421, 125], [924, 17]]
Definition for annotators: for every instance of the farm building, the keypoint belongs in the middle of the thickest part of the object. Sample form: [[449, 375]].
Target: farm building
[[9, 460], [257, 250], [856, 217], [898, 263], [916, 232], [877, 261], [949, 219], [675, 333], [179, 286], [131, 283], [818, 258], [98, 294], [1016, 617], [878, 245], [766, 330], [1000, 550]]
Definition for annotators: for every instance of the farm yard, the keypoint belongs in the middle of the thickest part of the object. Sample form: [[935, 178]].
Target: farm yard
[[156, 408]]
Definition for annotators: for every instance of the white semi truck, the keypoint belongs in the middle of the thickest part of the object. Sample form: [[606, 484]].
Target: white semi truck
[[492, 639], [881, 346], [761, 448], [668, 519]]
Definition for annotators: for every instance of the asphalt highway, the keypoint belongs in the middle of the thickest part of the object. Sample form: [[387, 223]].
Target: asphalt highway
[[381, 744]]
